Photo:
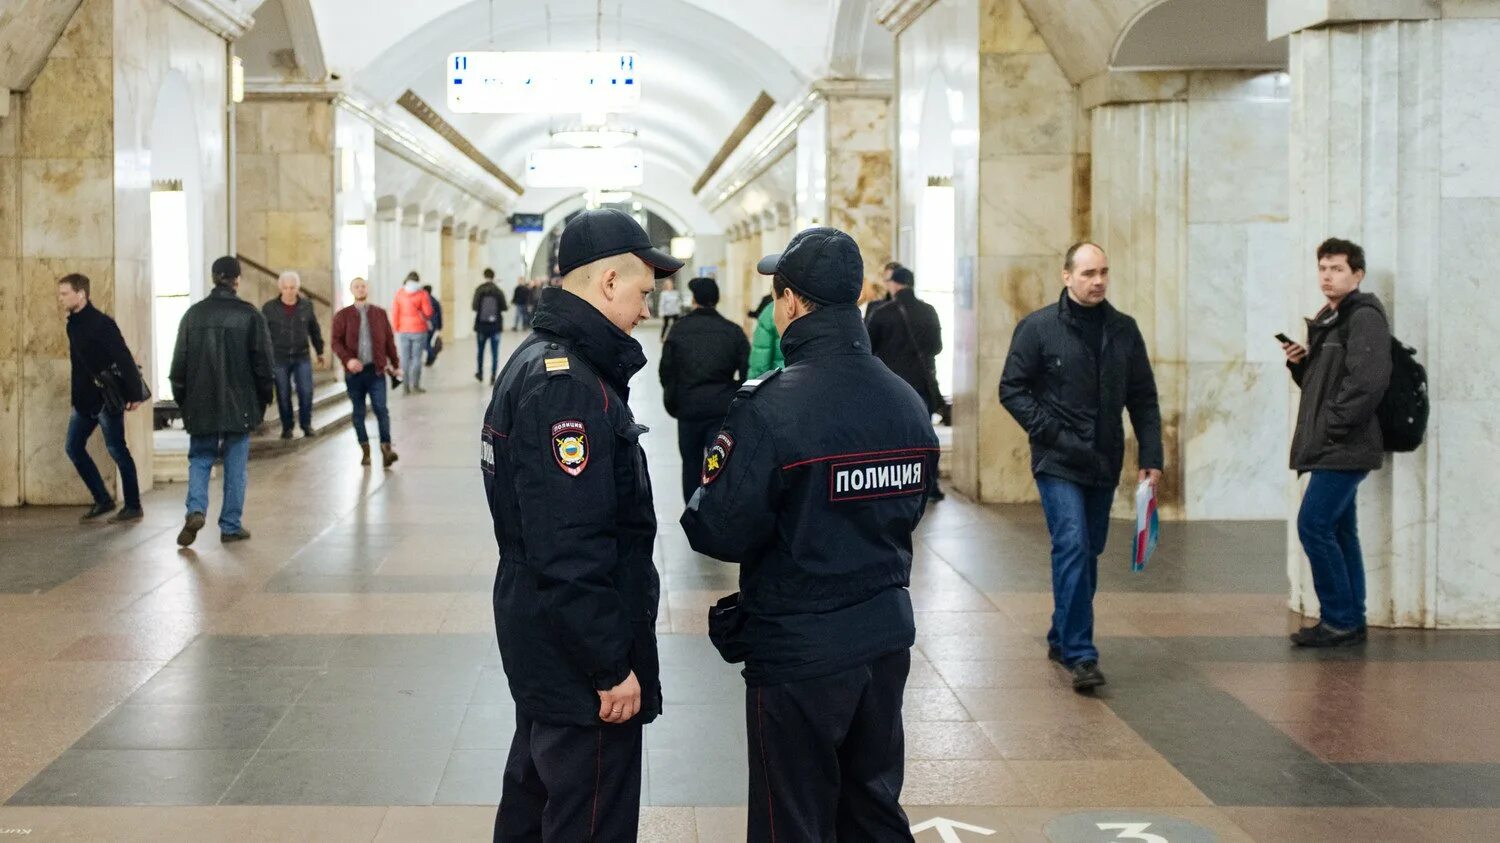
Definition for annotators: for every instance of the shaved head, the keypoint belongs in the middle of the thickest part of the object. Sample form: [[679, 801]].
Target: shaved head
[[616, 286]]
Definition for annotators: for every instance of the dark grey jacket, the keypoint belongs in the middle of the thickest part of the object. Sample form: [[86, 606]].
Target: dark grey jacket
[[1343, 378], [290, 334], [221, 368], [1070, 401]]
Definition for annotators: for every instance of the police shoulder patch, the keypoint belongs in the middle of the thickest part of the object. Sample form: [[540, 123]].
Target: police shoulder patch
[[748, 387], [556, 365], [717, 456], [570, 446]]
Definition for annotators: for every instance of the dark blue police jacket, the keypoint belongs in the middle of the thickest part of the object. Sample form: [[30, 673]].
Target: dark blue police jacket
[[814, 486], [576, 593]]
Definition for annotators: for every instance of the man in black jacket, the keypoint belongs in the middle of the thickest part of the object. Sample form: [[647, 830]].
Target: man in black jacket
[[489, 321], [576, 593], [703, 362], [814, 486], [906, 335], [1073, 366], [95, 345], [1343, 371], [293, 324], [221, 379]]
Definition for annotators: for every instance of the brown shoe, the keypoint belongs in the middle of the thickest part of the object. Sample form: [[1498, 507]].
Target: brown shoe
[[364, 448], [387, 456]]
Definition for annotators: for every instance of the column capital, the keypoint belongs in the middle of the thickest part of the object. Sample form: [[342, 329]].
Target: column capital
[[830, 88], [223, 18], [1284, 17], [1115, 87]]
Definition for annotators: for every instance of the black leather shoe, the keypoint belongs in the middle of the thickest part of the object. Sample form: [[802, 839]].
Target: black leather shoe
[[1322, 636], [1054, 654], [286, 433], [129, 513], [190, 528], [97, 510], [1086, 676], [308, 433], [937, 494], [478, 378], [237, 536]]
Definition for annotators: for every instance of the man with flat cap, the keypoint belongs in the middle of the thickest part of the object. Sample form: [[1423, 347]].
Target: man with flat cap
[[576, 593], [703, 362], [813, 487]]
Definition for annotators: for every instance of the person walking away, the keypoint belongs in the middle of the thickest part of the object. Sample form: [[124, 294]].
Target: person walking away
[[703, 362], [1072, 369], [411, 313], [434, 325], [880, 292], [293, 324], [95, 346], [814, 486], [222, 382], [907, 336], [669, 306], [765, 345], [1343, 372], [489, 320], [521, 298], [366, 347], [576, 591]]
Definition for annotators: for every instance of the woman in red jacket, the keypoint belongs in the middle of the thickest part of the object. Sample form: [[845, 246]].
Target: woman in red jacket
[[411, 316]]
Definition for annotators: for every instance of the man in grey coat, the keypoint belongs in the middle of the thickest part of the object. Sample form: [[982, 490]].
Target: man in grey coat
[[1343, 372]]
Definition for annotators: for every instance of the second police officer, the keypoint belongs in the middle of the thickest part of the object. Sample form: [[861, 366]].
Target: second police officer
[[576, 593], [814, 486]]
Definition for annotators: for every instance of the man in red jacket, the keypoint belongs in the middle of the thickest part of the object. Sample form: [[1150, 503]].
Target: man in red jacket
[[366, 346]]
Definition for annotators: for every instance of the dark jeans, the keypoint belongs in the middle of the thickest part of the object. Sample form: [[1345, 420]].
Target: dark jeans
[[666, 325], [1078, 519], [80, 428], [693, 439], [827, 755], [431, 354], [298, 372], [1328, 526], [492, 340], [523, 316], [571, 783], [370, 384]]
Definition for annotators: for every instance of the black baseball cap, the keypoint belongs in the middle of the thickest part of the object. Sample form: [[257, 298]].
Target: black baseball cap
[[822, 264], [604, 233]]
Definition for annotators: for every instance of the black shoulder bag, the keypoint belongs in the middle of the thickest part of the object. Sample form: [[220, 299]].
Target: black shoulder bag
[[935, 401], [119, 388]]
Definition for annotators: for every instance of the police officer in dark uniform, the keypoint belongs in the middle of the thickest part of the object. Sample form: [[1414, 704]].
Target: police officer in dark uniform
[[814, 486], [576, 593]]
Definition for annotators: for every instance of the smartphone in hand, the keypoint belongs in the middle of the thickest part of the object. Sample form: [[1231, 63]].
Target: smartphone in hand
[[1285, 340]]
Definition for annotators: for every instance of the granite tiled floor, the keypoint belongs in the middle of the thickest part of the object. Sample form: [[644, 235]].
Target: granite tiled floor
[[336, 678]]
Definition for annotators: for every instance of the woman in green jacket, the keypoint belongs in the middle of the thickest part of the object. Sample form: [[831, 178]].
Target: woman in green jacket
[[765, 345]]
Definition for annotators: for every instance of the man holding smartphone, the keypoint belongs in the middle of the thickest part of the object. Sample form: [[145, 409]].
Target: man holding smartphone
[[1343, 372]]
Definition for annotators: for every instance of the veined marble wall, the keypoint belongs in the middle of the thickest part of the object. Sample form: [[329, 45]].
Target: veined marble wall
[[860, 177], [444, 286], [984, 103], [1199, 258], [285, 154], [75, 181], [1416, 181]]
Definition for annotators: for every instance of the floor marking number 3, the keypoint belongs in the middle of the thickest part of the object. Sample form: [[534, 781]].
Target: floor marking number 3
[[1132, 831]]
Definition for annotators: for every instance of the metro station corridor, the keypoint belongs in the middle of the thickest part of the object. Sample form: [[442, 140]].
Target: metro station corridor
[[344, 661]]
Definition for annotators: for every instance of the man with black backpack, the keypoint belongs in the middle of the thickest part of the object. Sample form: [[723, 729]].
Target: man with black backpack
[[489, 321], [1344, 372]]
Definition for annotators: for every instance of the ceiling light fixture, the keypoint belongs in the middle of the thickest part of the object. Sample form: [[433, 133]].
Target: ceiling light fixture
[[594, 138]]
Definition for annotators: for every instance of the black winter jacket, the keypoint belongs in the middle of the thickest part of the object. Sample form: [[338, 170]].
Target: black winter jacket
[[892, 342], [484, 292], [95, 344], [1069, 399], [704, 360], [576, 592], [290, 335], [221, 368], [814, 486], [1343, 378]]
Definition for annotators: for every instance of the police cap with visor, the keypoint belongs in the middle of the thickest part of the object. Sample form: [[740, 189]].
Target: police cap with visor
[[822, 264], [606, 232]]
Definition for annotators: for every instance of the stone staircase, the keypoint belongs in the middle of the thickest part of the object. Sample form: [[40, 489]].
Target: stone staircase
[[331, 411]]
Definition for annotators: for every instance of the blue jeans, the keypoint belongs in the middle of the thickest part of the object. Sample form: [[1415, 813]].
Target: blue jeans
[[1328, 526], [1078, 519], [296, 371], [204, 450], [492, 340], [369, 383], [413, 349], [80, 428], [523, 316]]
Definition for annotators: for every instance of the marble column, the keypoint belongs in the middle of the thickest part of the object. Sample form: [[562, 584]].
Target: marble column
[[10, 303], [846, 168], [1392, 145], [1189, 184], [447, 282]]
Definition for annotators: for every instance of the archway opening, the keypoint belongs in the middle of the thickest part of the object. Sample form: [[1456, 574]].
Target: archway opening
[[177, 276]]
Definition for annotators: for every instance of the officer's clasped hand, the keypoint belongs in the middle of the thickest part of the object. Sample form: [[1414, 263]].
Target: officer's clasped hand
[[622, 702]]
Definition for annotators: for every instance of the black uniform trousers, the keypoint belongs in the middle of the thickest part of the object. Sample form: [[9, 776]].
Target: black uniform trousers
[[571, 783], [694, 436], [826, 755]]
